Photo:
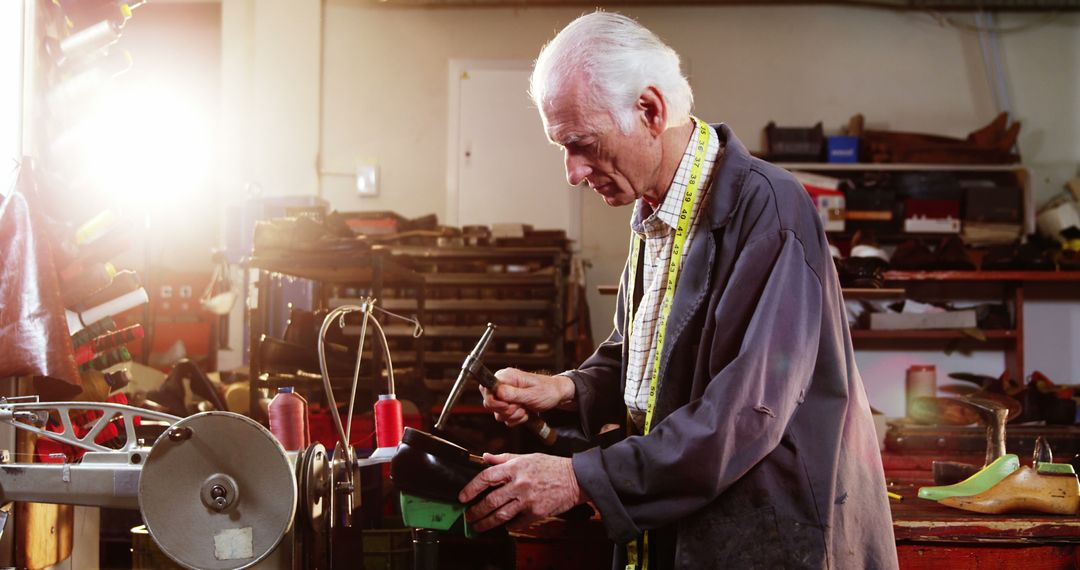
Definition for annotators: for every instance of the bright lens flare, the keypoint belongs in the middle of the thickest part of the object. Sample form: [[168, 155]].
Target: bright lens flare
[[151, 150]]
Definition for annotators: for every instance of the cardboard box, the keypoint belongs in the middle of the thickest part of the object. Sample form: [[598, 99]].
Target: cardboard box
[[828, 197], [931, 216], [964, 319]]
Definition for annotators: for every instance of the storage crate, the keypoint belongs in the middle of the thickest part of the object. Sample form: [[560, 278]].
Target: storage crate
[[387, 548]]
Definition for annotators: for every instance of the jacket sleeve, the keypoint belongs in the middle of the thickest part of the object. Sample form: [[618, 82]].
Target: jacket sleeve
[[773, 300]]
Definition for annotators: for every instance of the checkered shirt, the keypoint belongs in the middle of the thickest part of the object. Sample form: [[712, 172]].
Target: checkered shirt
[[658, 229]]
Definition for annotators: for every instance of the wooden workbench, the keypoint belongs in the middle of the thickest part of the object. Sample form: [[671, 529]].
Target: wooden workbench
[[929, 535]]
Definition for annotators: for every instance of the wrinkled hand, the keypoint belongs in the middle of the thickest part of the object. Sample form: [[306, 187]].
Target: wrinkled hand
[[517, 393], [527, 488]]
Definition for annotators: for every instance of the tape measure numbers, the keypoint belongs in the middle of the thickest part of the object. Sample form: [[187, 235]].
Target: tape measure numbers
[[682, 230]]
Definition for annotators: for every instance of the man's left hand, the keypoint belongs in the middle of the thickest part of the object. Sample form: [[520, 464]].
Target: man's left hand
[[527, 488]]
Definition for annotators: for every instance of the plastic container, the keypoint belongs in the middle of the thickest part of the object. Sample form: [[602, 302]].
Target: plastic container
[[842, 149], [921, 381], [795, 144]]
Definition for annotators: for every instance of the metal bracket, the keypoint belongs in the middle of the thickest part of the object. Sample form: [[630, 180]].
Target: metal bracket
[[24, 415]]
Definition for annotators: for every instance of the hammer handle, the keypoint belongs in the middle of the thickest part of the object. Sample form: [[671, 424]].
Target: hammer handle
[[538, 426]]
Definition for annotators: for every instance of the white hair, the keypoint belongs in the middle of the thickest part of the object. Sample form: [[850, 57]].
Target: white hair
[[620, 58]]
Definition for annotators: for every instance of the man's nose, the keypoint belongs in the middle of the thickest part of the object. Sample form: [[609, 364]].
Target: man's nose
[[577, 169]]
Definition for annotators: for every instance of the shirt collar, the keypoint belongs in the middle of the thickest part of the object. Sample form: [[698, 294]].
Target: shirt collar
[[668, 210]]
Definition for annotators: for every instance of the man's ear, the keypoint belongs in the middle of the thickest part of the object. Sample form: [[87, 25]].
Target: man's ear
[[653, 107]]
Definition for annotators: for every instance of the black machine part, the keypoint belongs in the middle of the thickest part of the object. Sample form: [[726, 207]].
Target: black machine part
[[431, 467]]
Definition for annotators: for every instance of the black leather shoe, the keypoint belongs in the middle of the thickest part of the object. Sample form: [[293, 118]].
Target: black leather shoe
[[951, 255], [431, 467], [276, 355], [912, 255]]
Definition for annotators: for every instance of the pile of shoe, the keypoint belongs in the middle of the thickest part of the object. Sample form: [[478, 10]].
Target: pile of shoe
[[865, 267], [1069, 256], [306, 233], [297, 352], [1033, 255], [992, 144], [948, 255], [1003, 486], [1040, 400]]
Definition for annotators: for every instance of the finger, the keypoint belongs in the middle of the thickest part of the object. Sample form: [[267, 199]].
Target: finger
[[495, 404], [501, 516], [512, 420], [512, 377], [496, 459], [517, 418], [510, 393], [490, 503], [490, 477]]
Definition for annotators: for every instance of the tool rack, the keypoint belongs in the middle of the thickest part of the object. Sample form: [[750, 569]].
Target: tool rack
[[452, 290]]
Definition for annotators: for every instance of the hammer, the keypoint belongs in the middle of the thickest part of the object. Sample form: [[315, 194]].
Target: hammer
[[474, 367]]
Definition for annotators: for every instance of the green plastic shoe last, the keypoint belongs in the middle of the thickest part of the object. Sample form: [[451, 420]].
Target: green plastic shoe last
[[985, 478], [1056, 468], [421, 512]]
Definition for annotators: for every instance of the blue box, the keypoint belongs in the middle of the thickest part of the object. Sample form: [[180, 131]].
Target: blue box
[[843, 148]]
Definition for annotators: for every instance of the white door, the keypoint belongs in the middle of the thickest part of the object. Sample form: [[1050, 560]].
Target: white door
[[501, 166]]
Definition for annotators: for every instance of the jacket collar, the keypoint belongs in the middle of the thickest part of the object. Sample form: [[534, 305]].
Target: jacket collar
[[728, 177]]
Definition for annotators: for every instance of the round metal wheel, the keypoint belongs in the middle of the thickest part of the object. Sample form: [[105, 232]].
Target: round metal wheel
[[217, 491], [315, 487], [312, 526]]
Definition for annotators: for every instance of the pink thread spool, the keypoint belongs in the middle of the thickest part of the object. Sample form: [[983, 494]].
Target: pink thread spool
[[389, 424], [288, 413]]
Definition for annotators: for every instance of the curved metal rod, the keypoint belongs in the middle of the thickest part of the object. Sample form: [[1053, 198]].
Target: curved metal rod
[[367, 306]]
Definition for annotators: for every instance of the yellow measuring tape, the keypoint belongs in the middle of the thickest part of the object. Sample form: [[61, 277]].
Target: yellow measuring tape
[[682, 229]]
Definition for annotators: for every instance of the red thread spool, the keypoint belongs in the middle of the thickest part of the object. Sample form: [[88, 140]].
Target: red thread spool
[[288, 419], [389, 424]]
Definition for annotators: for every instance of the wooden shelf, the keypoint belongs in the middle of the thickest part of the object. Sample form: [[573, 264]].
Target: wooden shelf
[[454, 305], [442, 357], [1027, 276], [487, 279], [471, 253], [338, 268], [926, 334], [897, 167], [869, 293], [469, 332]]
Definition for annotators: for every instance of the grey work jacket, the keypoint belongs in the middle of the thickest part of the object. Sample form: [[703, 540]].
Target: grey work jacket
[[762, 452]]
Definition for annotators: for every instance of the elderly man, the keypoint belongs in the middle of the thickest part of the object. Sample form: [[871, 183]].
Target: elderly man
[[751, 439]]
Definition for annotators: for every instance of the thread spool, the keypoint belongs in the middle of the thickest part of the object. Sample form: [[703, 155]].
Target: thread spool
[[389, 422], [91, 39], [92, 331], [288, 419], [95, 227], [93, 279], [123, 282], [107, 359], [118, 338], [104, 343], [111, 308], [921, 381], [237, 397]]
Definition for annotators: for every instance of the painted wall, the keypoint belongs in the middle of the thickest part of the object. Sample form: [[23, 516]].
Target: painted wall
[[384, 98]]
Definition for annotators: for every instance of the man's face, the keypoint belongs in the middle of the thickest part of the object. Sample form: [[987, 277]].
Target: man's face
[[620, 167]]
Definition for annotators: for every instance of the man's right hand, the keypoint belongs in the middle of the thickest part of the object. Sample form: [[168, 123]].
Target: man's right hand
[[517, 393]]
